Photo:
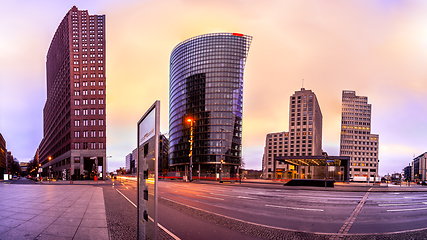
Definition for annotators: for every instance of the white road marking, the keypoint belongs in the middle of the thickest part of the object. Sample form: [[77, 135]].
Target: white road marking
[[403, 210], [210, 197], [225, 195], [163, 228], [399, 204], [295, 208]]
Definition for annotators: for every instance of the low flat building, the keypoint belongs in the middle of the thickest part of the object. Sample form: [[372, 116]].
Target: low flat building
[[311, 167]]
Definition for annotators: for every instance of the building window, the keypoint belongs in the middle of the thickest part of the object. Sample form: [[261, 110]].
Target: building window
[[76, 93], [85, 111], [77, 134], [84, 92], [92, 133], [92, 83], [92, 101], [101, 122], [77, 159], [101, 111], [92, 111], [84, 101], [101, 101], [101, 145], [101, 133], [76, 123], [101, 83], [85, 145], [76, 102], [92, 145], [92, 122], [92, 92], [76, 112], [76, 84], [84, 83], [85, 134], [101, 92], [85, 122], [77, 146]]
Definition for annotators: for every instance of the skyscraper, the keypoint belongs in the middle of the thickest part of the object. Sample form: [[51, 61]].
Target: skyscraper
[[206, 98], [357, 142], [74, 124], [305, 132]]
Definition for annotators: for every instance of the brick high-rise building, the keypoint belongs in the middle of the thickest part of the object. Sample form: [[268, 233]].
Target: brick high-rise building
[[3, 152], [357, 142], [74, 117], [305, 132]]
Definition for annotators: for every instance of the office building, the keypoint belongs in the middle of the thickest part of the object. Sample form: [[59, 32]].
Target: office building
[[419, 168], [304, 137], [205, 102], [74, 115], [132, 158], [3, 153], [356, 141]]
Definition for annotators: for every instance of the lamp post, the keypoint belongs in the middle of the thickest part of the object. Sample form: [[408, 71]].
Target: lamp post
[[191, 121], [222, 159]]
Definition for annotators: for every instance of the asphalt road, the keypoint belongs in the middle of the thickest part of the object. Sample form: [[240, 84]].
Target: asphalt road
[[327, 212], [179, 223]]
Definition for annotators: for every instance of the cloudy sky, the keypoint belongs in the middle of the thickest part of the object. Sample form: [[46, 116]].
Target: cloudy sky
[[377, 48]]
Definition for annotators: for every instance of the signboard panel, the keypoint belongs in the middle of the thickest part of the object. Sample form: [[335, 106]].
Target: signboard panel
[[148, 131]]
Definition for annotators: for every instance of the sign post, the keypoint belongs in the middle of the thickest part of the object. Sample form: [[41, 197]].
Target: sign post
[[148, 131]]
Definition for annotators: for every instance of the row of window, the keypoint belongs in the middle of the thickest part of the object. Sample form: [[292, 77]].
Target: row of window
[[85, 122], [86, 111], [92, 92], [358, 153], [85, 101], [92, 55], [92, 61], [92, 68], [290, 154], [91, 145], [360, 148], [86, 134], [92, 83]]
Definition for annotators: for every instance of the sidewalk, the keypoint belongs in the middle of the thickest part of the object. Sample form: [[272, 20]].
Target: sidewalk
[[52, 211]]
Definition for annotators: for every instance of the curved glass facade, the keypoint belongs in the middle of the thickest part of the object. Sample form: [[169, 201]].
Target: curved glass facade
[[206, 84]]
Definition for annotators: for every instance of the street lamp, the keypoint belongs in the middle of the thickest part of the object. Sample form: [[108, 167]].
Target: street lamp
[[191, 121], [222, 159]]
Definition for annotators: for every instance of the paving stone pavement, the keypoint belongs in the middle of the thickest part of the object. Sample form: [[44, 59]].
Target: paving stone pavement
[[57, 212]]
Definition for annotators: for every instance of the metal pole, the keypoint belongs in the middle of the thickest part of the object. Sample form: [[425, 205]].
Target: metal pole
[[220, 170], [326, 169], [191, 150]]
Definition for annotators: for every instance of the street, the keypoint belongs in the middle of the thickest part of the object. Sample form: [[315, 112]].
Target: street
[[312, 211]]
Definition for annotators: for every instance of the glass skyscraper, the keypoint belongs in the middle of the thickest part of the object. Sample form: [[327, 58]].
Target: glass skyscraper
[[205, 102]]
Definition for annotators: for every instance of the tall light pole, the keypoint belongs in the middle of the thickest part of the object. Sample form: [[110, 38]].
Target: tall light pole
[[191, 121], [222, 159]]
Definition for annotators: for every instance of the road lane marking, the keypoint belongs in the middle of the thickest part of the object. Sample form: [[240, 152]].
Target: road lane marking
[[225, 195], [210, 197], [408, 209], [295, 208], [350, 220], [400, 204], [158, 224]]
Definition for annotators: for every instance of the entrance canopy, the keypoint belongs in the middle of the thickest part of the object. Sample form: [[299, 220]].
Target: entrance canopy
[[316, 161]]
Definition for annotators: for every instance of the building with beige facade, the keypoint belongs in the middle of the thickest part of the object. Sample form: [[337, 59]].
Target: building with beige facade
[[303, 139], [356, 141]]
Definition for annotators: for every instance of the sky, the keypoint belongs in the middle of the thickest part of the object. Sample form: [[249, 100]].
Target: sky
[[377, 48]]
